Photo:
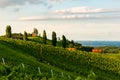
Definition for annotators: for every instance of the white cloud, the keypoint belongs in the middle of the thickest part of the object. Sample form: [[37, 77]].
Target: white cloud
[[84, 9], [76, 13], [7, 3], [68, 17], [35, 18]]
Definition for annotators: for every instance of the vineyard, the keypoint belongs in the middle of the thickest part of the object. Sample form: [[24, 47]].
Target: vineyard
[[34, 60], [17, 65]]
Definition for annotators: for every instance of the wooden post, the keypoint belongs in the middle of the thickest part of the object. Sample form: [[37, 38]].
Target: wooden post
[[3, 60], [39, 70], [52, 72], [23, 65], [41, 50], [62, 74]]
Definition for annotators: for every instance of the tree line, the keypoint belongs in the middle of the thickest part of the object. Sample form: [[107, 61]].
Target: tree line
[[54, 41], [64, 42]]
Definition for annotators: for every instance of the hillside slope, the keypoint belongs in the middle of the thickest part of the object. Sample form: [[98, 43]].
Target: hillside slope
[[15, 58], [78, 63]]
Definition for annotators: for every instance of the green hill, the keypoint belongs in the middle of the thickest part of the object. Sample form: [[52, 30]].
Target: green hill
[[64, 64], [39, 40], [14, 59]]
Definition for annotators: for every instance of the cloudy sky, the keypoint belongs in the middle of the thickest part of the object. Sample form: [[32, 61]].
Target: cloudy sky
[[76, 19]]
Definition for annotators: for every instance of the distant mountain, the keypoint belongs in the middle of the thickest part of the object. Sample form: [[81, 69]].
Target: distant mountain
[[100, 43]]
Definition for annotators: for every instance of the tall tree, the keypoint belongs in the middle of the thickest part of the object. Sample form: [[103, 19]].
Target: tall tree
[[44, 37], [78, 46], [64, 41], [25, 36], [54, 38], [71, 44], [8, 31], [35, 31]]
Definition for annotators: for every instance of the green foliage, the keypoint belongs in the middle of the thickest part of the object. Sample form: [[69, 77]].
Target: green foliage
[[78, 46], [86, 48], [111, 55], [109, 49], [91, 76], [44, 37], [78, 62], [71, 44], [8, 31], [20, 73], [17, 36], [35, 31], [54, 38], [64, 41], [25, 36], [15, 54]]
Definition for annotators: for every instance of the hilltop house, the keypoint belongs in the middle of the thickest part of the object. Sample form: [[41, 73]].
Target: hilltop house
[[96, 50], [71, 49], [34, 34]]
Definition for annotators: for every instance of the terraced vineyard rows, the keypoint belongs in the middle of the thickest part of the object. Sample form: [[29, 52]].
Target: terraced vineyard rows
[[77, 62]]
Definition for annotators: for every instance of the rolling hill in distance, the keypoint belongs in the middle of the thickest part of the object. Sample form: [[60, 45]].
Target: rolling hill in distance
[[100, 43]]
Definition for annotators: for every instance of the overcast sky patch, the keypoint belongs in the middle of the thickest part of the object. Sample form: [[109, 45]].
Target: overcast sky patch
[[7, 3], [84, 10]]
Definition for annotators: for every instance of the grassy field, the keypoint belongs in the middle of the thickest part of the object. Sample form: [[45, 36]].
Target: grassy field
[[115, 56], [15, 57], [56, 63], [39, 40]]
